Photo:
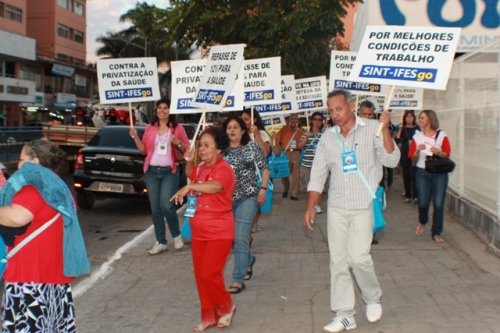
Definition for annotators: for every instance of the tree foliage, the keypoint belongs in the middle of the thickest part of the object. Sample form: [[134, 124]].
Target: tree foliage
[[148, 35], [299, 31]]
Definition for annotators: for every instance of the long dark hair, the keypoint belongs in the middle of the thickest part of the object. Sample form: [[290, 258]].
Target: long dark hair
[[172, 121], [245, 138], [317, 113], [407, 112], [257, 120]]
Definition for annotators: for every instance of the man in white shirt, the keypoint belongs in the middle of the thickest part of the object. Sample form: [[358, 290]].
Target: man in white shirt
[[350, 147]]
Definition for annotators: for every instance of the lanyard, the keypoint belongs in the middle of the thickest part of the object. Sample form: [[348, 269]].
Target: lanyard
[[341, 141]]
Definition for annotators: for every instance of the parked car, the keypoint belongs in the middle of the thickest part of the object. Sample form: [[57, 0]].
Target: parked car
[[109, 166]]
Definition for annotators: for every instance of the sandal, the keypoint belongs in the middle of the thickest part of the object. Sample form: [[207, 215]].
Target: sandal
[[235, 288], [202, 327], [438, 239], [249, 274], [226, 319], [420, 229]]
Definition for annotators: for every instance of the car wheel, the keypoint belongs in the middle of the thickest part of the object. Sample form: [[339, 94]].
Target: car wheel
[[85, 200]]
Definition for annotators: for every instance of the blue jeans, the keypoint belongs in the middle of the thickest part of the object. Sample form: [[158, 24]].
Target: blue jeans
[[431, 186], [244, 211], [162, 184]]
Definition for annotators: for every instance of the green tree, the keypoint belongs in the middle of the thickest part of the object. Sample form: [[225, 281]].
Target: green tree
[[300, 31], [147, 36]]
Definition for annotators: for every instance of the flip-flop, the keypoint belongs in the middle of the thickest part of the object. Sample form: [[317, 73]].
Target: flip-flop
[[420, 229], [235, 289], [249, 273], [438, 239], [202, 327], [226, 319]]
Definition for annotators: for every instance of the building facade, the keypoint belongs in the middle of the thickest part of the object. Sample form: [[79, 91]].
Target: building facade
[[42, 53]]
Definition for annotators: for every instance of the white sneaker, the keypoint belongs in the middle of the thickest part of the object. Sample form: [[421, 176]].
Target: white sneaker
[[318, 209], [340, 324], [373, 312], [178, 243], [158, 248]]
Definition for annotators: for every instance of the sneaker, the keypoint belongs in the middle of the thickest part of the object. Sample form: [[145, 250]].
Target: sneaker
[[318, 209], [158, 248], [178, 243], [373, 312], [340, 324], [407, 200]]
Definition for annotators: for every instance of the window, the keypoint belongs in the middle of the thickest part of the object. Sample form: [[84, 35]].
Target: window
[[78, 36], [64, 4], [2, 9], [62, 30], [32, 74], [79, 9], [14, 13]]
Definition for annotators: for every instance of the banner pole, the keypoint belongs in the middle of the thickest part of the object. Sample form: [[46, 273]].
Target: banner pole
[[130, 115], [202, 121], [387, 103]]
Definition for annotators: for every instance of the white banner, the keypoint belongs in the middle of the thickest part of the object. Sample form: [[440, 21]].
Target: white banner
[[186, 76], [223, 65], [262, 81], [288, 99], [126, 80], [404, 98], [341, 63], [406, 56], [311, 93]]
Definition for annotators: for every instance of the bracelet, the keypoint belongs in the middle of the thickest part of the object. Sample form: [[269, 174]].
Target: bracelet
[[179, 145], [263, 188]]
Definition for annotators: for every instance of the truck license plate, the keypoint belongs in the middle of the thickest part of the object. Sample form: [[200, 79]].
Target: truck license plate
[[109, 187]]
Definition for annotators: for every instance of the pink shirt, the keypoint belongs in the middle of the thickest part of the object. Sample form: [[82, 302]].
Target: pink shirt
[[148, 140]]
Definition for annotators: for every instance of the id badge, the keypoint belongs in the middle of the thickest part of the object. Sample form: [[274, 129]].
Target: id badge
[[192, 204], [293, 144], [162, 148], [349, 162]]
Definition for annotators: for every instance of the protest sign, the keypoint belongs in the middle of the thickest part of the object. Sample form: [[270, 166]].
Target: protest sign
[[406, 56], [341, 63], [403, 98], [288, 99], [262, 81], [127, 80], [186, 76], [311, 93], [219, 76]]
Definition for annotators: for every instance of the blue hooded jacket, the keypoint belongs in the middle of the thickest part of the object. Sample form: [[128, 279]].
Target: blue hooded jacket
[[56, 194]]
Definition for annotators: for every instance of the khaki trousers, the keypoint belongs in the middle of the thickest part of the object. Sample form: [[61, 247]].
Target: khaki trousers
[[349, 242], [292, 183]]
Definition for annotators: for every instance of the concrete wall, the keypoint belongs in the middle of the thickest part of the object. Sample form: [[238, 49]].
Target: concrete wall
[[482, 223]]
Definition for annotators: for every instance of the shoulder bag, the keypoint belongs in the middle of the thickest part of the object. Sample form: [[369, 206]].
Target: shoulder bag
[[266, 207], [279, 166], [379, 204], [437, 164]]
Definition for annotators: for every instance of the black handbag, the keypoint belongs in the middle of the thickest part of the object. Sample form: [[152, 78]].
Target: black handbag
[[437, 164]]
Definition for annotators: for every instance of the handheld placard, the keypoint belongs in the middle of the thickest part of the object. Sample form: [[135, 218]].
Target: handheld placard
[[387, 103]]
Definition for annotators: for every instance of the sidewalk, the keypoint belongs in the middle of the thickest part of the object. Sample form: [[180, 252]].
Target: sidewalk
[[427, 287]]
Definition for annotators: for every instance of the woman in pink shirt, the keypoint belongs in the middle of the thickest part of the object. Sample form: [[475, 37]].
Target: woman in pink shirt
[[159, 143]]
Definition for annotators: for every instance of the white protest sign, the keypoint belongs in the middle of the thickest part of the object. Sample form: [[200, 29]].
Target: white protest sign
[[262, 81], [311, 93], [288, 99], [406, 56], [407, 98], [186, 76], [127, 80], [341, 63], [223, 65]]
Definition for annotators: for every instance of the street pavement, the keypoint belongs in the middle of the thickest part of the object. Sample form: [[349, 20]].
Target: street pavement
[[427, 287]]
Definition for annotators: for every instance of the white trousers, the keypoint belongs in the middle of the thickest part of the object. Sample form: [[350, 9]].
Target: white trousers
[[349, 240]]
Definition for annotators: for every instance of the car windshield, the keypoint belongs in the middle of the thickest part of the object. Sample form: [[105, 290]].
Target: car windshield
[[114, 136]]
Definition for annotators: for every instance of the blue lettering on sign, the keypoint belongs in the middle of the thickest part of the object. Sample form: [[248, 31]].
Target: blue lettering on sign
[[490, 18], [404, 104], [358, 86], [268, 107], [209, 96], [399, 73], [128, 93], [310, 104], [185, 103], [262, 95]]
